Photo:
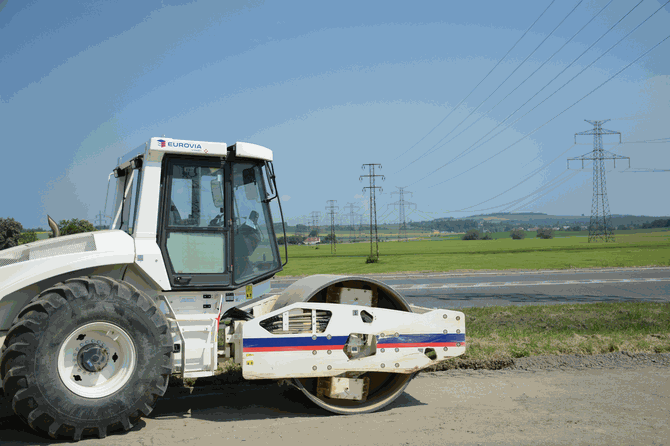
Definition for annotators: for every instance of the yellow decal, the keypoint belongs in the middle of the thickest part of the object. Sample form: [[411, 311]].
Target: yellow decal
[[250, 292], [248, 354], [250, 363]]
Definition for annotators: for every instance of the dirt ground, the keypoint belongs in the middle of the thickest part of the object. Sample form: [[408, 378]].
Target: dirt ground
[[614, 406]]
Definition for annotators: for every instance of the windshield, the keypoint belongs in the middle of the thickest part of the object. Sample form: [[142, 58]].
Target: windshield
[[255, 250]]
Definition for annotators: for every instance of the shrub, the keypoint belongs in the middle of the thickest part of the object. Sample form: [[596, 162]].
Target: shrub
[[27, 237], [75, 226], [472, 234], [292, 240], [545, 233], [518, 234], [487, 237], [10, 231]]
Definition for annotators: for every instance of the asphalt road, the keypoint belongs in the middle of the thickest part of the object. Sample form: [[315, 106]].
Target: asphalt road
[[478, 289]]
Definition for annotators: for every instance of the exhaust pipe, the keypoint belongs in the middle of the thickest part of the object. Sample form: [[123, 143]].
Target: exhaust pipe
[[53, 226]]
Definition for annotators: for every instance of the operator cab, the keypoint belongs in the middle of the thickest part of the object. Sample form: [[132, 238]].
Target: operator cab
[[212, 219]]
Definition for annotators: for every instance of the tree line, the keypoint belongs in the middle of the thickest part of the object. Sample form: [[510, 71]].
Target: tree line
[[13, 234]]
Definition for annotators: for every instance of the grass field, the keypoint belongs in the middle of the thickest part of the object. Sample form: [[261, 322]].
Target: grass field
[[567, 329], [650, 248]]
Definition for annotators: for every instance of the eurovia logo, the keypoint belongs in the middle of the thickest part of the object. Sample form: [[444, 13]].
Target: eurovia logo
[[185, 145]]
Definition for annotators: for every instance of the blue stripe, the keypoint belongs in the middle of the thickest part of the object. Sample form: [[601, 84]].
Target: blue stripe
[[294, 342], [422, 338], [341, 340]]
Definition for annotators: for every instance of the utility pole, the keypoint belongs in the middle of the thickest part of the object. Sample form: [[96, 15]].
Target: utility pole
[[316, 215], [600, 226], [402, 223], [352, 221], [331, 208], [374, 255]]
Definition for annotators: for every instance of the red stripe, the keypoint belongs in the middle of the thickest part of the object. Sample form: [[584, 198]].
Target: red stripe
[[422, 344], [339, 347], [293, 348]]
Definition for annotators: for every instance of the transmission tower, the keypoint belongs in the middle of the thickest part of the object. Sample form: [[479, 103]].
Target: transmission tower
[[374, 255], [600, 226], [316, 215], [331, 208], [301, 221], [101, 220], [402, 222], [352, 221]]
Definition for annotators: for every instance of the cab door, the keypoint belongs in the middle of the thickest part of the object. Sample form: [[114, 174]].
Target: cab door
[[195, 233]]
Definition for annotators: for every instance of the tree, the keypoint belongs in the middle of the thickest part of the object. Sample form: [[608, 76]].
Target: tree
[[313, 233], [291, 239], [518, 234], [545, 233], [472, 234], [10, 231], [27, 237], [487, 237], [326, 239], [75, 226]]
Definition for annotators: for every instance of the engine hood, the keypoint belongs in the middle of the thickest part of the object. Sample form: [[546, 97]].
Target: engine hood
[[27, 264]]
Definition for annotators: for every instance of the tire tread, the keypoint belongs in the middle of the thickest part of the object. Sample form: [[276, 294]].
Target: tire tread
[[23, 337]]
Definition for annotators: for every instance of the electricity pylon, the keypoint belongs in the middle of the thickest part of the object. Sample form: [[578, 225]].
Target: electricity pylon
[[331, 208], [402, 223], [600, 226], [352, 220], [316, 215], [374, 255]]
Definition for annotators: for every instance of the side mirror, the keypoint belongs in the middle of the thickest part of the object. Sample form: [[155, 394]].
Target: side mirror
[[217, 192]]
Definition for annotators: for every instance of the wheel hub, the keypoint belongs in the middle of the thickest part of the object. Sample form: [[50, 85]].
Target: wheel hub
[[97, 359], [93, 358]]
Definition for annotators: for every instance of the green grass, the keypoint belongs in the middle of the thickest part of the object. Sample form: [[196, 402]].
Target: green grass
[[650, 248], [518, 331]]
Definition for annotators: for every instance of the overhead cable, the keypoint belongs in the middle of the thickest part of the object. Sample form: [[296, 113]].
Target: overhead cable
[[433, 148], [471, 149], [566, 109], [480, 82]]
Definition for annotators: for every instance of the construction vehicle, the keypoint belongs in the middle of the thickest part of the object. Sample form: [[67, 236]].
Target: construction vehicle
[[93, 325]]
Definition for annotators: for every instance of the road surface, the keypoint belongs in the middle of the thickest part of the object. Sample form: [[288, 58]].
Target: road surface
[[477, 289]]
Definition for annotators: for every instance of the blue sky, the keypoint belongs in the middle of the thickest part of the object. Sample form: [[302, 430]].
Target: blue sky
[[331, 86]]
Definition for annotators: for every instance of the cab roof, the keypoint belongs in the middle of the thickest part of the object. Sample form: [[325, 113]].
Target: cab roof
[[164, 145]]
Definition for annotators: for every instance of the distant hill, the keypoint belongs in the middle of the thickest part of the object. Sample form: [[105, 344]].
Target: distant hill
[[542, 219]]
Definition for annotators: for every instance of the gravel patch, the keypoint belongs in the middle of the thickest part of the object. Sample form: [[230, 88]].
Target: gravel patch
[[622, 359]]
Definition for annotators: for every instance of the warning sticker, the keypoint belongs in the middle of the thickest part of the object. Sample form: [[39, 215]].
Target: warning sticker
[[250, 292]]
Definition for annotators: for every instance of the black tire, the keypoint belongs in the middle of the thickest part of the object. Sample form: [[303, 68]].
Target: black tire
[[29, 363]]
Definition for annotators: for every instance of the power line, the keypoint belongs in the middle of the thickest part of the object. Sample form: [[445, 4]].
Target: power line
[[480, 82], [468, 150], [538, 128], [546, 186], [433, 149], [538, 170]]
